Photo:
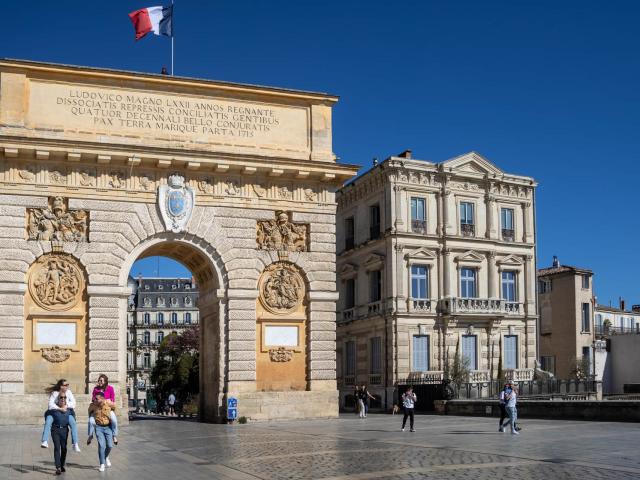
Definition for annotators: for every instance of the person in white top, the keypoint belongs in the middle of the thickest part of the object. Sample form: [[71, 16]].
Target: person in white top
[[510, 398], [172, 404], [409, 400], [61, 386]]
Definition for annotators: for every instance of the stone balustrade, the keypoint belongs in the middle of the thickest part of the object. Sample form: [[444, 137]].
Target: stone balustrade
[[490, 306], [476, 376], [421, 305], [519, 374]]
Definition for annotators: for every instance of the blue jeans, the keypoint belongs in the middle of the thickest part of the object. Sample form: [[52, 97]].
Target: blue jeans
[[48, 421], [105, 442], [91, 424], [512, 413]]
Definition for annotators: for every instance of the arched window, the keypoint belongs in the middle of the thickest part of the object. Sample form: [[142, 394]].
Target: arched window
[[187, 300], [146, 301], [161, 301], [174, 318], [174, 301], [147, 338], [187, 318], [160, 318]]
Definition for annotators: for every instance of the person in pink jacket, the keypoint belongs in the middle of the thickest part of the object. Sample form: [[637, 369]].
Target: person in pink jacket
[[109, 394]]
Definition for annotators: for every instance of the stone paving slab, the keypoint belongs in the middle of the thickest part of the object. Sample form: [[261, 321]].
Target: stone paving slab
[[340, 449]]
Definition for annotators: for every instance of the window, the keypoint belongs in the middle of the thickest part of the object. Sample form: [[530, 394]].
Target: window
[[469, 343], [146, 287], [420, 353], [468, 283], [374, 222], [419, 281], [174, 301], [585, 281], [586, 318], [187, 318], [187, 286], [160, 318], [161, 302], [350, 360], [376, 356], [146, 338], [467, 224], [509, 286], [511, 352], [548, 364], [146, 360], [349, 233], [418, 215], [174, 318], [350, 293], [147, 319], [160, 286], [544, 285], [187, 300], [146, 301], [375, 286], [508, 231], [174, 286], [159, 337]]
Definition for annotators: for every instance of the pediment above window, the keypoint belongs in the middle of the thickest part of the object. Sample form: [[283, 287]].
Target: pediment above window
[[511, 260], [470, 257], [348, 270], [374, 261], [421, 254], [472, 163]]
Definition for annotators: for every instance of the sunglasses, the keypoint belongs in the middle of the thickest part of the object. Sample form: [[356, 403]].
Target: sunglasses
[[62, 398], [65, 384]]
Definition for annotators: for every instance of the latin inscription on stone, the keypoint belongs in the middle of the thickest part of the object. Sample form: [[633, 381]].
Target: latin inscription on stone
[[205, 118]]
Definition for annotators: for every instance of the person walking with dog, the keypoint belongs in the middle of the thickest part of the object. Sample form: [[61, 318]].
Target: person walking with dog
[[409, 400]]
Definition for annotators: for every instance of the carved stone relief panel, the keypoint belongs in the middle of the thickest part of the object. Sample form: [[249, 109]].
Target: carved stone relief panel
[[57, 222], [57, 282], [281, 288], [280, 354], [55, 354], [282, 234]]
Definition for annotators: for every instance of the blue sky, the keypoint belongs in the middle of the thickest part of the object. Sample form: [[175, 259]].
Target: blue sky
[[541, 88]]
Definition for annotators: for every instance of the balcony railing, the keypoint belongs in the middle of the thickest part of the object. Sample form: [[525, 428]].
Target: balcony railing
[[349, 379], [456, 305], [419, 226], [508, 235], [349, 314], [611, 330], [468, 229], [416, 378], [519, 374], [374, 308], [421, 305], [375, 379], [476, 376]]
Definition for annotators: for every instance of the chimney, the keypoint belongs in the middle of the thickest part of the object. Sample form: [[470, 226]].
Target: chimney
[[622, 304], [635, 308], [556, 262], [164, 71], [405, 154]]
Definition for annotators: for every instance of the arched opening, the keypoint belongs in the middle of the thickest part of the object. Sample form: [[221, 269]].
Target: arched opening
[[173, 318]]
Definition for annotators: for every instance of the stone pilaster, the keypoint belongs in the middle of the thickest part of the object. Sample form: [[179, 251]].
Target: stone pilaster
[[492, 271], [322, 338]]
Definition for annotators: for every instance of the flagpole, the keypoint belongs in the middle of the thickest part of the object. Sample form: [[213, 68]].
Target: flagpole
[[172, 37]]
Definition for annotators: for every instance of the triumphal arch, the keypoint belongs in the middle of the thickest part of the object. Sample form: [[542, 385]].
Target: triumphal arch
[[99, 168]]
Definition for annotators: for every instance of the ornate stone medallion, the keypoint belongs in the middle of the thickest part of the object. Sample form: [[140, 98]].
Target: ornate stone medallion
[[55, 354], [280, 354], [176, 201], [56, 283], [282, 234], [281, 288]]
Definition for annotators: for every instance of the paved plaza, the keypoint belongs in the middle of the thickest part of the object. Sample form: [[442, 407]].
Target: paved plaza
[[374, 448]]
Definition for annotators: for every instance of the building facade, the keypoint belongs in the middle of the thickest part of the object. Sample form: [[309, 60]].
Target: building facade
[[158, 307], [435, 260], [99, 168], [567, 333]]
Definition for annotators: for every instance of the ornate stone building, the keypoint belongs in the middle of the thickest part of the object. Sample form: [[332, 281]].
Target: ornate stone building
[[99, 168], [435, 260], [157, 307]]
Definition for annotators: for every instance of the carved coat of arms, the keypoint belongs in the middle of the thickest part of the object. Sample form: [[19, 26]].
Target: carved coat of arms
[[176, 201]]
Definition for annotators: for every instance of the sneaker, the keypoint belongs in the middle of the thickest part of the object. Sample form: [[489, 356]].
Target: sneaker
[[89, 439], [62, 469], [501, 430], [101, 467], [58, 471], [412, 430], [44, 444], [115, 440], [76, 448], [108, 462], [402, 429], [514, 433]]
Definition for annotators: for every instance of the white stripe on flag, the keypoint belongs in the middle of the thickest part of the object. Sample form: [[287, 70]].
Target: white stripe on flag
[[155, 15]]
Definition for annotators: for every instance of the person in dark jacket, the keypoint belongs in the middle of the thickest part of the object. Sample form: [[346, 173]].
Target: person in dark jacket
[[60, 432]]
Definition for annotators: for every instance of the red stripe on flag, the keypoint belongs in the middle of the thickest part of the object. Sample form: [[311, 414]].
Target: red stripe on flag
[[141, 22]]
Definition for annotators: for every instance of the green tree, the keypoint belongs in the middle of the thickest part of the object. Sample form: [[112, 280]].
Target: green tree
[[458, 371]]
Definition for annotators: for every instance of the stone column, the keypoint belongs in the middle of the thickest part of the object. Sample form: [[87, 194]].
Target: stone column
[[490, 202], [527, 222], [398, 222], [529, 286], [491, 267], [440, 209], [446, 214], [446, 269]]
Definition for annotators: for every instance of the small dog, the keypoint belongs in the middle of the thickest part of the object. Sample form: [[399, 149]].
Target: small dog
[[396, 409]]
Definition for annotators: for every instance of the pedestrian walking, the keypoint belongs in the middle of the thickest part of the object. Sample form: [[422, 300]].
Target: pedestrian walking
[[366, 398], [102, 385], [409, 400], [60, 432], [171, 400], [503, 409], [101, 410], [61, 387], [510, 405]]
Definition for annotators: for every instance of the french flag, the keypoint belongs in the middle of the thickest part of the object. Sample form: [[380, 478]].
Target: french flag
[[153, 19]]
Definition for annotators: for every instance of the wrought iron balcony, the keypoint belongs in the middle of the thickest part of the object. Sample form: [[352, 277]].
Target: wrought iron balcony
[[491, 306], [421, 305], [468, 229], [419, 226], [508, 235], [606, 329], [375, 379]]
